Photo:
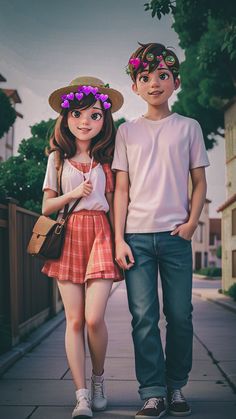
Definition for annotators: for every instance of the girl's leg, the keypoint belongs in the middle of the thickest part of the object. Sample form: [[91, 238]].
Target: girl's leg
[[97, 295], [73, 300]]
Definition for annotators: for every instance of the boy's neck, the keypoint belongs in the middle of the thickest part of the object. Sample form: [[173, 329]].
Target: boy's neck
[[156, 113]]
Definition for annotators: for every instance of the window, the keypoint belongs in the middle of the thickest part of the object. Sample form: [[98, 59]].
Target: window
[[234, 222], [234, 263], [199, 233]]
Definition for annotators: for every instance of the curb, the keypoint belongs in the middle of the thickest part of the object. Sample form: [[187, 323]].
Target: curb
[[10, 357], [226, 304]]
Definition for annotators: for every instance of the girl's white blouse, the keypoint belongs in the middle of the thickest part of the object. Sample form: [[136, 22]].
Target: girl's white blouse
[[71, 178]]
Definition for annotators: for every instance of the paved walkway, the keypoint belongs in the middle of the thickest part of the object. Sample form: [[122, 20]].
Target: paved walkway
[[39, 385]]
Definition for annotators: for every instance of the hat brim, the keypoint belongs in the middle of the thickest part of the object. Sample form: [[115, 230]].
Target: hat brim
[[115, 97]]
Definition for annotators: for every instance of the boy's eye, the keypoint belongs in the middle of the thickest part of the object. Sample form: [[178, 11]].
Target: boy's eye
[[75, 114], [143, 79], [164, 76], [96, 116]]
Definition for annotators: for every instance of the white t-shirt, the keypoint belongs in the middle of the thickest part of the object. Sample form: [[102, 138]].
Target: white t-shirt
[[73, 177], [158, 156]]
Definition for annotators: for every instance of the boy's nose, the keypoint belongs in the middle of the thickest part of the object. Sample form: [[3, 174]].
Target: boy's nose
[[155, 80]]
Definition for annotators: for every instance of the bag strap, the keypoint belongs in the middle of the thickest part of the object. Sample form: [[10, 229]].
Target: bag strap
[[67, 212]]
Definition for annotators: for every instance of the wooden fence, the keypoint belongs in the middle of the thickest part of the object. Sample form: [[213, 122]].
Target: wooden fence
[[27, 297]]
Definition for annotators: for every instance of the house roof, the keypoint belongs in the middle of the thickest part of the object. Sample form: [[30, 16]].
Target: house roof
[[2, 78], [227, 203], [215, 226], [13, 94]]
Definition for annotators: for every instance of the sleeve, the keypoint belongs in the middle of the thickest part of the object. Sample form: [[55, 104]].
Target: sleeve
[[120, 160], [198, 154], [110, 178], [50, 180]]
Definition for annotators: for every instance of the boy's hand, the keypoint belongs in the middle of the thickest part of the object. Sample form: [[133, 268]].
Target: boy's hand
[[124, 256], [185, 230]]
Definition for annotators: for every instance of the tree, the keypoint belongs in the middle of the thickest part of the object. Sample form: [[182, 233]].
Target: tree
[[7, 114], [21, 177], [207, 33]]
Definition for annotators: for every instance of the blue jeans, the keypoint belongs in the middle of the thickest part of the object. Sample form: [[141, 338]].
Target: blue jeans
[[173, 256]]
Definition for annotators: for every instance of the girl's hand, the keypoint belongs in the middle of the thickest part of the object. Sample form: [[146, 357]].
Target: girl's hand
[[83, 190], [124, 256]]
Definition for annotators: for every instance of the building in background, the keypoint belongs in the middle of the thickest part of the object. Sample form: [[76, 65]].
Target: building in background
[[214, 259], [228, 208], [7, 141], [200, 239]]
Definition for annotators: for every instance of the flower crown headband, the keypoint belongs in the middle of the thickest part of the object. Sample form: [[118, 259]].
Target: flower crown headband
[[85, 91], [151, 60]]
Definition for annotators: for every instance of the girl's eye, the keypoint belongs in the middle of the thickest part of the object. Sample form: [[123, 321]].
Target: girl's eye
[[75, 114], [96, 116], [144, 79], [164, 76]]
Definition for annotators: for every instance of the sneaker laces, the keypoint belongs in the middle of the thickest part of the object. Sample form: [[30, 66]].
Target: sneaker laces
[[177, 396], [152, 403], [83, 400], [98, 390]]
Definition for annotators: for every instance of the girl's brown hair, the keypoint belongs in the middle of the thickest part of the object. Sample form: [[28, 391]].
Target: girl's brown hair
[[63, 141], [157, 50]]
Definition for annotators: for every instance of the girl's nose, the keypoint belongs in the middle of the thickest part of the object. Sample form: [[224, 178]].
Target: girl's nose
[[84, 119]]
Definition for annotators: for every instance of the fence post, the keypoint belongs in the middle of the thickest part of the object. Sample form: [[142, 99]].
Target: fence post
[[14, 312]]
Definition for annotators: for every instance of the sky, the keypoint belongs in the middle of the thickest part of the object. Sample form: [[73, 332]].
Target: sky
[[45, 44]]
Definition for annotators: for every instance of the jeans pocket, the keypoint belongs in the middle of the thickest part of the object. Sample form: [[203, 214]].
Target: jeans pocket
[[129, 236], [185, 240]]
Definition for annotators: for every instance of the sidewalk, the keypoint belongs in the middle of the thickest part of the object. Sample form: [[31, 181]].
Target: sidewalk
[[39, 385]]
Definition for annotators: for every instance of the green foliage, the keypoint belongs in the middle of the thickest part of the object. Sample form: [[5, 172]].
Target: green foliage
[[207, 33], [7, 114], [119, 122], [211, 272], [232, 291], [21, 177]]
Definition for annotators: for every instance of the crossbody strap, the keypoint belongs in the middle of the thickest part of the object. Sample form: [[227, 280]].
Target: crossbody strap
[[67, 212]]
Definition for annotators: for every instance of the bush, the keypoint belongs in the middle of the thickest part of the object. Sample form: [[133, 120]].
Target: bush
[[211, 271], [232, 291]]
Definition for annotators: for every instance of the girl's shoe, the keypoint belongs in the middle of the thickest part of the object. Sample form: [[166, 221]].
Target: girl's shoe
[[99, 400], [83, 406]]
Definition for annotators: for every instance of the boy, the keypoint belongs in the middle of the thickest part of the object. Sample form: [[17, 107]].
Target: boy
[[154, 156]]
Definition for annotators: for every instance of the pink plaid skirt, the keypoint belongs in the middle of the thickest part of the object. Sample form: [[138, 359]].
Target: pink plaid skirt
[[88, 251]]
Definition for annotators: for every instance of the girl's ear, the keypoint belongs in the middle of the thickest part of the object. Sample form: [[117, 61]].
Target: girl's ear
[[134, 88], [177, 83]]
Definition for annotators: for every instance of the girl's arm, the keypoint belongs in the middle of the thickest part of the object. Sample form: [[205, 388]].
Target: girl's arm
[[53, 203]]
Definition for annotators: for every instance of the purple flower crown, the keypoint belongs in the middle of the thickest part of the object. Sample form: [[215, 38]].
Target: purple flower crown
[[85, 91], [151, 60]]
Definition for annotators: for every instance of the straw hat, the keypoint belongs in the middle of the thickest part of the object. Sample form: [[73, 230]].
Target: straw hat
[[116, 97]]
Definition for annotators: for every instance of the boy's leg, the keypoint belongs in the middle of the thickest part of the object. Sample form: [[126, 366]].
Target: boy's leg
[[175, 264], [141, 282]]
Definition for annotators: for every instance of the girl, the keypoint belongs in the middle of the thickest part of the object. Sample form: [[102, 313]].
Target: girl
[[83, 139]]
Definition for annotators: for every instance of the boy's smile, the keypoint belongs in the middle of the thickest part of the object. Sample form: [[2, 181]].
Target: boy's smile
[[156, 87]]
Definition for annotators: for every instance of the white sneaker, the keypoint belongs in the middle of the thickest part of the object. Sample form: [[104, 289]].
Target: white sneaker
[[99, 400], [83, 406]]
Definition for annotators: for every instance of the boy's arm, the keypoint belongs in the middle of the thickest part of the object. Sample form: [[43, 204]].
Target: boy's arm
[[198, 197], [121, 199]]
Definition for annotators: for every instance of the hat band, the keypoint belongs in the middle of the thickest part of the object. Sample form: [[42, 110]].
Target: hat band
[[85, 91]]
